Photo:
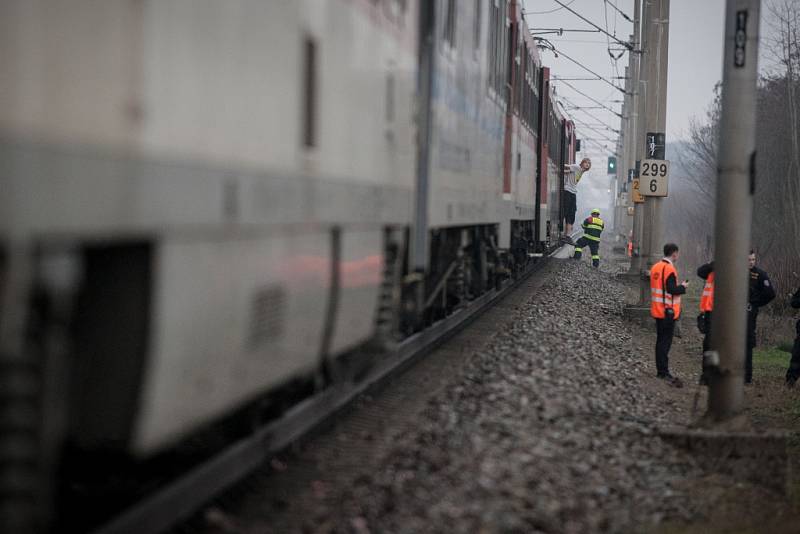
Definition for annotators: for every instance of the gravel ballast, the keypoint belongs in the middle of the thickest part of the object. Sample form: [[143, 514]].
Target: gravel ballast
[[543, 416], [548, 429]]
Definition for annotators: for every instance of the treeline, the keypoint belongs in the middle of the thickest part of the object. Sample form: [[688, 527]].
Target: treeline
[[776, 210]]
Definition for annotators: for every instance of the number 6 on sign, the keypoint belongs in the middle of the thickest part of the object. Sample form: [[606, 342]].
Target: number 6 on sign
[[654, 173]]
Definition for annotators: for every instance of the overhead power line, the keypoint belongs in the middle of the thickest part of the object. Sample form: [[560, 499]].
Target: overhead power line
[[596, 131], [551, 46], [559, 31], [590, 98], [578, 108], [579, 79], [603, 149], [618, 10], [546, 12], [626, 44]]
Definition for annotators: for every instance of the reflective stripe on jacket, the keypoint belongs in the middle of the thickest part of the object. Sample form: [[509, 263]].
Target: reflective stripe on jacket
[[660, 299], [707, 300], [592, 228]]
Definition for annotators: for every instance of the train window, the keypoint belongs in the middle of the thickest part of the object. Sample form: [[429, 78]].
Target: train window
[[499, 37], [309, 93], [450, 24], [510, 53]]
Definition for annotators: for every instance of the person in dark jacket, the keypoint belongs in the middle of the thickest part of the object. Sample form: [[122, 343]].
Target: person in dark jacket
[[793, 373], [761, 294]]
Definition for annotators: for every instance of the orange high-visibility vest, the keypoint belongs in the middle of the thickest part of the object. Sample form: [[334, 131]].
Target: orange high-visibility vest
[[660, 300], [707, 300]]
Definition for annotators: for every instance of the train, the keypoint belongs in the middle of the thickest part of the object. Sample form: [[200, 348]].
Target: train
[[209, 204]]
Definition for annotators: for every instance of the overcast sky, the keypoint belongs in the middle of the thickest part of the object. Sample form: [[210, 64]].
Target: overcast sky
[[695, 65], [695, 54]]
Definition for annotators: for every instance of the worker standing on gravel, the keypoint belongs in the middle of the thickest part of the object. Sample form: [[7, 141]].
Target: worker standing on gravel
[[706, 272], [592, 228], [794, 365], [665, 308], [761, 294], [572, 175]]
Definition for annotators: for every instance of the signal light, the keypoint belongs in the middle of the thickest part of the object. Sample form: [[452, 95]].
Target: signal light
[[612, 165]]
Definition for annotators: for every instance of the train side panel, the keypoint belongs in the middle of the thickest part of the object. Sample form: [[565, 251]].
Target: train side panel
[[234, 142], [466, 179]]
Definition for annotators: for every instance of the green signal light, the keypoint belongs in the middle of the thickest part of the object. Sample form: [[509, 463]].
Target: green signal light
[[612, 164]]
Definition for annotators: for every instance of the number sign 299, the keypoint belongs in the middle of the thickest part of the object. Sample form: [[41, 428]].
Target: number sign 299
[[654, 175]]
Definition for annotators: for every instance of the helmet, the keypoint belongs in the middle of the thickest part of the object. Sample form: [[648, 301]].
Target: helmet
[[596, 211]]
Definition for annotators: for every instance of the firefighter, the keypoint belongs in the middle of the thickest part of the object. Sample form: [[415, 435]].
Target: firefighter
[[592, 228], [706, 272], [665, 308], [793, 373], [761, 294]]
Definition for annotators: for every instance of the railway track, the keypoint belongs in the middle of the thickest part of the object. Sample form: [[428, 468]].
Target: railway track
[[182, 497]]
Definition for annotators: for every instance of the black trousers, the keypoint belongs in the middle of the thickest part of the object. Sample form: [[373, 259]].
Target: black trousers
[[793, 373], [594, 246], [751, 344], [706, 346], [570, 207], [665, 329]]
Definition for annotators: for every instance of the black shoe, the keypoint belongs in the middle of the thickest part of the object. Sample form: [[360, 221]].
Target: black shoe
[[673, 381], [790, 382]]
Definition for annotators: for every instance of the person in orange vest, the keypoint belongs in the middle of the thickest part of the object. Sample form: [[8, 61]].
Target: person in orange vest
[[760, 294], [665, 308], [706, 272]]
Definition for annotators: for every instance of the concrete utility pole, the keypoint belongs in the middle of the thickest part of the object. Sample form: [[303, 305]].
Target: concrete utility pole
[[620, 217], [635, 61], [632, 113], [735, 185], [656, 24], [640, 95]]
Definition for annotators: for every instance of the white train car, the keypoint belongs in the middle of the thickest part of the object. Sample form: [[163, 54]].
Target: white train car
[[209, 184], [205, 203]]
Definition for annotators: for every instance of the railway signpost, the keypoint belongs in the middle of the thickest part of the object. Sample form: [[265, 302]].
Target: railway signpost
[[636, 194], [654, 177]]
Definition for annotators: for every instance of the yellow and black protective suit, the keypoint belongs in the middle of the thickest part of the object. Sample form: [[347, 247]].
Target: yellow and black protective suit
[[592, 228]]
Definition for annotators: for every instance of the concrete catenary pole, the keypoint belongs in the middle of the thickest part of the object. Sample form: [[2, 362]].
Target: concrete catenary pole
[[735, 185], [657, 42], [620, 217], [634, 60], [640, 14]]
